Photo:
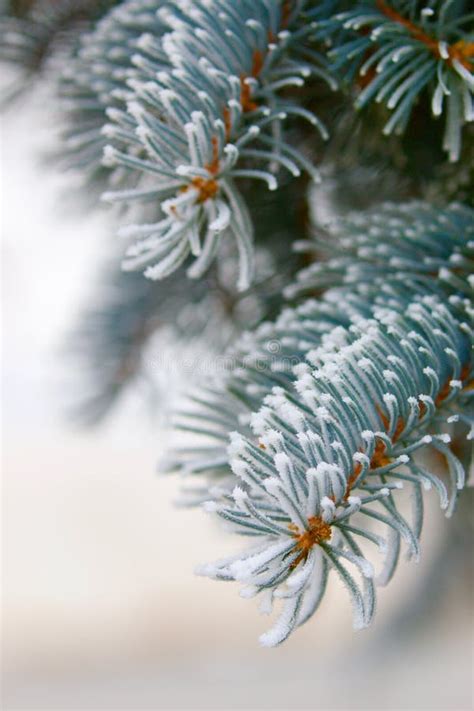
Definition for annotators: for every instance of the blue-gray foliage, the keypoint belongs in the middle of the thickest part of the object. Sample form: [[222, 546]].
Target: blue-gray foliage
[[182, 113], [331, 406]]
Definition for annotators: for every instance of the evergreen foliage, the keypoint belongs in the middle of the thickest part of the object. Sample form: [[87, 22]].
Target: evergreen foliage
[[397, 50], [209, 125], [387, 370]]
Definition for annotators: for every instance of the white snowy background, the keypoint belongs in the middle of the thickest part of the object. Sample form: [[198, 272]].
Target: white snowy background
[[101, 609]]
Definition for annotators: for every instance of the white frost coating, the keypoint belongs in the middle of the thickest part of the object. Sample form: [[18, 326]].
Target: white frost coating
[[274, 439], [304, 511], [328, 508], [239, 467], [282, 463], [243, 569], [283, 626], [239, 495], [236, 445], [361, 458], [203, 139]]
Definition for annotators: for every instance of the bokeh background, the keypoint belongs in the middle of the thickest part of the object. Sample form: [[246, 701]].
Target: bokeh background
[[101, 609]]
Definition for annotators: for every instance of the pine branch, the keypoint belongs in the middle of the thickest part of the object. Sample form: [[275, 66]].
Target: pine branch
[[371, 394], [339, 452], [399, 50], [375, 257], [179, 110], [213, 135], [421, 242]]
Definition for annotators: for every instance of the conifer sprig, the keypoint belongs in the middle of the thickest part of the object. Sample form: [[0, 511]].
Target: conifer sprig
[[207, 122], [340, 449], [373, 259], [396, 50], [390, 378], [196, 107]]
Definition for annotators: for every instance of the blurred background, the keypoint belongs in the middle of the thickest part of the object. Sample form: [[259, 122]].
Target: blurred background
[[101, 609]]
